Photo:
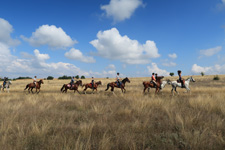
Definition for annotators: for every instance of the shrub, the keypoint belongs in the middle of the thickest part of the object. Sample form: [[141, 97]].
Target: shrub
[[82, 77], [77, 77], [50, 78], [171, 74], [216, 77], [202, 73]]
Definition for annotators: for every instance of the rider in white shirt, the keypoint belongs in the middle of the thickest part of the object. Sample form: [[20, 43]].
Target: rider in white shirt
[[35, 80], [118, 79]]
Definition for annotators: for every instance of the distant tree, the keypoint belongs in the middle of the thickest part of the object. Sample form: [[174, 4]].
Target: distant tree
[[107, 77], [216, 77], [50, 78], [23, 78], [171, 74], [82, 77], [77, 77], [202, 73], [64, 77]]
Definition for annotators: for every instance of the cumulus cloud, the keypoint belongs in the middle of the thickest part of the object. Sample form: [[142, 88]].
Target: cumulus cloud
[[169, 64], [111, 66], [120, 10], [211, 70], [37, 65], [154, 68], [5, 30], [210, 52], [76, 54], [173, 56], [52, 36], [110, 44]]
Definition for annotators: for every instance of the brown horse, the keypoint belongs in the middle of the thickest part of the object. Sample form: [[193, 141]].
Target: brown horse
[[149, 84], [114, 84], [89, 85], [31, 86], [75, 86]]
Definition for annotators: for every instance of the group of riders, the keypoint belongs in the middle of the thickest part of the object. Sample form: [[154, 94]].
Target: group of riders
[[154, 78]]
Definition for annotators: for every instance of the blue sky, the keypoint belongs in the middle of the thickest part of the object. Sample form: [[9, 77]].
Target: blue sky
[[101, 37]]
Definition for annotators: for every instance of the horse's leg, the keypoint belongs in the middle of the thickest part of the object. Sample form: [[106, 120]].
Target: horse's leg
[[78, 91]]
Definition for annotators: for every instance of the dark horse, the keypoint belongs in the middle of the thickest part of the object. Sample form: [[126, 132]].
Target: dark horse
[[31, 86], [89, 85], [114, 84], [149, 84], [75, 86]]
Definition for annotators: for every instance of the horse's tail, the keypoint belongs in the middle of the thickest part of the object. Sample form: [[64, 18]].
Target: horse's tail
[[26, 86], [107, 87], [62, 87]]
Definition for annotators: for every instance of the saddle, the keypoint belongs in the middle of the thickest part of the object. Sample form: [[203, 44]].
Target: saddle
[[178, 81], [69, 86]]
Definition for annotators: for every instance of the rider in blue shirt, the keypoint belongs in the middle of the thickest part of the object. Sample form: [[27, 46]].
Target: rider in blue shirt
[[4, 81], [72, 82], [93, 82]]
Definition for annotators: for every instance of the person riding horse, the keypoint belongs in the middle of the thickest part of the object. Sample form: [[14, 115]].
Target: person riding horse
[[72, 82], [35, 81], [93, 83], [118, 79], [181, 80], [153, 80], [5, 81]]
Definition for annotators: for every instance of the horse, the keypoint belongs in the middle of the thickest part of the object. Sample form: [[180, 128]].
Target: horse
[[75, 86], [114, 84], [148, 85], [175, 84], [89, 85], [152, 85], [6, 86], [30, 86]]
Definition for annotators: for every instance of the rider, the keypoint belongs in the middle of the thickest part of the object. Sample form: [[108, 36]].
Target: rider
[[181, 79], [93, 82], [118, 79], [4, 81], [35, 80], [153, 79], [72, 82]]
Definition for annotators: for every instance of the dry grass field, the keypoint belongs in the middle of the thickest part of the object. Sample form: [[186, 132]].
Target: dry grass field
[[51, 120]]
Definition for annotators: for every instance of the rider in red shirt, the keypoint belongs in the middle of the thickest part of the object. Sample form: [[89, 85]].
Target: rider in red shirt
[[153, 79]]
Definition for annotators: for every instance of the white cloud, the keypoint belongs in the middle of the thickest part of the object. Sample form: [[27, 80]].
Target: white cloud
[[121, 9], [5, 30], [211, 70], [210, 52], [110, 44], [154, 68], [173, 56], [52, 36], [111, 66], [169, 64], [76, 54]]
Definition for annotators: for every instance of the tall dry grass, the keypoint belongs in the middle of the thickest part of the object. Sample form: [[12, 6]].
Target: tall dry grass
[[106, 121]]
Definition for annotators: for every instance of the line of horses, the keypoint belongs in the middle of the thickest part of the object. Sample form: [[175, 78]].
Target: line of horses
[[147, 85]]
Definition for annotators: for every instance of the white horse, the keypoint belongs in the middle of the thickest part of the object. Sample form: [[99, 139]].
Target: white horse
[[6, 86], [162, 85], [175, 84]]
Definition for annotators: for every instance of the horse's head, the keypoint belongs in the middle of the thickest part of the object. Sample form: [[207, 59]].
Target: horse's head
[[192, 79], [41, 81], [79, 82], [127, 80], [99, 83]]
